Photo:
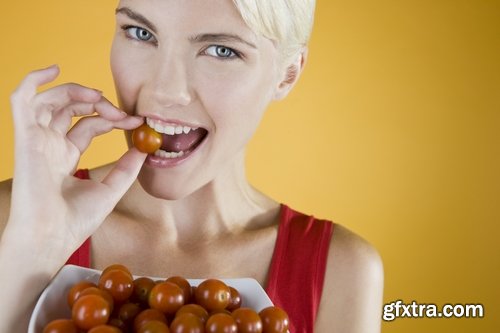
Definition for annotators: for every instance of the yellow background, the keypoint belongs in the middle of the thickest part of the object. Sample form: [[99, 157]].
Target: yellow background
[[393, 131]]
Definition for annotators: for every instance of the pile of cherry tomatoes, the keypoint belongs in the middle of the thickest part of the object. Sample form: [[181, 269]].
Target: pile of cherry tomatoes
[[120, 303]]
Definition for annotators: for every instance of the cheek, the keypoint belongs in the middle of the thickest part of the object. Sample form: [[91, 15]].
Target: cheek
[[125, 78], [239, 101]]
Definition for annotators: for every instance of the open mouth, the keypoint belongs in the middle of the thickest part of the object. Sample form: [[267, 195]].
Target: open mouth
[[178, 140]]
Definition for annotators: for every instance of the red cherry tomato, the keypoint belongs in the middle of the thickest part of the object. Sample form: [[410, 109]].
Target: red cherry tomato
[[247, 320], [221, 323], [187, 323], [146, 139], [118, 283], [274, 320], [127, 312], [142, 289], [234, 299], [212, 294], [90, 311], [166, 297], [61, 326]]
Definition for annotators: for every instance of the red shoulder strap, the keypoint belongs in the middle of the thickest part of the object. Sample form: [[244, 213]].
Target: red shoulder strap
[[81, 257], [298, 266]]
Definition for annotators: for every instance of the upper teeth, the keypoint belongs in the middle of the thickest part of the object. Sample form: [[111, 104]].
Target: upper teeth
[[168, 129]]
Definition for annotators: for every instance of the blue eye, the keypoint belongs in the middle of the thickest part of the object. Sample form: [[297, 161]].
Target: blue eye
[[138, 33], [220, 51]]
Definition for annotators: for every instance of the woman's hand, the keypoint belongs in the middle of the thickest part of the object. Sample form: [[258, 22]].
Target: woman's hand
[[52, 212], [47, 201]]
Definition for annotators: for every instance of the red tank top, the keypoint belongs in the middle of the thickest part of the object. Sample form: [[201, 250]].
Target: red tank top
[[297, 271]]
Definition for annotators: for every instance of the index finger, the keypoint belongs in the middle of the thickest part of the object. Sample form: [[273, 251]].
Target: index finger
[[27, 89]]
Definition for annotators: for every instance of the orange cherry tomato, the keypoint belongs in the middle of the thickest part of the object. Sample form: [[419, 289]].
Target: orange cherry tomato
[[148, 315], [194, 309], [90, 311], [100, 292], [105, 329], [221, 323], [146, 139], [234, 300], [274, 320], [61, 326], [247, 320], [213, 294], [76, 289], [117, 266], [184, 285], [118, 283], [187, 323], [166, 297], [154, 326]]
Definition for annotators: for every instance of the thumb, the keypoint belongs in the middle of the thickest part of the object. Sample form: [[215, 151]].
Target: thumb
[[124, 173]]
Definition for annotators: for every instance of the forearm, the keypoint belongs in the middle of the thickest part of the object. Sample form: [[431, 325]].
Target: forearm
[[25, 269]]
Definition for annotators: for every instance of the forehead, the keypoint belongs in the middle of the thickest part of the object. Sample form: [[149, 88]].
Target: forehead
[[191, 16]]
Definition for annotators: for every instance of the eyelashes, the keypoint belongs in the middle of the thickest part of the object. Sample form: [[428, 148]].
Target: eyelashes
[[138, 33], [217, 51], [221, 51]]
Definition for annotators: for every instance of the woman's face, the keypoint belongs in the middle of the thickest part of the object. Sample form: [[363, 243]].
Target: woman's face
[[195, 69]]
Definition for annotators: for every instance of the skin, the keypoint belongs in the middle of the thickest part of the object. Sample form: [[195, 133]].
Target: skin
[[133, 209]]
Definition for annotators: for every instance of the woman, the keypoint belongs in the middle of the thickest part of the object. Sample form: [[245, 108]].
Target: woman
[[201, 73]]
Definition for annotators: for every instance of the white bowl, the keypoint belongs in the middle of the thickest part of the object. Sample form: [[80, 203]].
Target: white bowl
[[52, 302]]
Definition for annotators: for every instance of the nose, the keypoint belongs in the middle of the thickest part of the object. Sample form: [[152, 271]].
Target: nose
[[170, 85]]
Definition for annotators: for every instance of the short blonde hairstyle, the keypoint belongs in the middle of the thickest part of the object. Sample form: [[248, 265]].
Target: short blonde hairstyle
[[288, 22]]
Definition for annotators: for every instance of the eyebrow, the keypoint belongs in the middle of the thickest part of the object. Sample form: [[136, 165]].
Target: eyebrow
[[136, 17], [220, 38]]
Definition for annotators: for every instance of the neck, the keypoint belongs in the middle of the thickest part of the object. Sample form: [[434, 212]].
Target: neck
[[227, 204]]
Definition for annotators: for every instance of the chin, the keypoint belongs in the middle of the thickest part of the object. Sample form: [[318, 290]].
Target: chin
[[166, 190]]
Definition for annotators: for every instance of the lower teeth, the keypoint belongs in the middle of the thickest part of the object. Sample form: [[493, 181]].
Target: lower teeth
[[168, 154]]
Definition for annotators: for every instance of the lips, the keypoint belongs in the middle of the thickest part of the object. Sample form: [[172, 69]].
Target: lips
[[178, 139]]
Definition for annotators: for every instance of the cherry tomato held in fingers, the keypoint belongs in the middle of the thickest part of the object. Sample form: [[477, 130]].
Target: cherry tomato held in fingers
[[221, 323], [274, 320], [213, 294], [247, 320], [61, 326], [146, 139], [90, 311]]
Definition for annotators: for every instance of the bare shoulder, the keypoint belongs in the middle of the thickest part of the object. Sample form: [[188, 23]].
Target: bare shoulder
[[5, 194], [353, 287]]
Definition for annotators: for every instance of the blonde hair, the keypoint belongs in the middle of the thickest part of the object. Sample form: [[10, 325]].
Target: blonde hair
[[288, 22]]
